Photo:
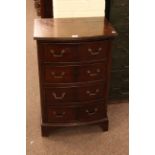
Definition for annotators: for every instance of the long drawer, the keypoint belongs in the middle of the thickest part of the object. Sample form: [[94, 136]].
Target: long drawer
[[83, 113], [70, 52], [67, 95], [73, 73]]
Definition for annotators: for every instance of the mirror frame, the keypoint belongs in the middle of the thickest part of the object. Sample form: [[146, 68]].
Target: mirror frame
[[47, 8]]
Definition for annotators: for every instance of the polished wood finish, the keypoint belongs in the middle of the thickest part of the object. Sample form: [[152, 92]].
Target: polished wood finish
[[116, 12], [91, 112], [93, 51], [65, 95], [61, 114], [73, 29], [77, 52], [74, 72], [59, 52]]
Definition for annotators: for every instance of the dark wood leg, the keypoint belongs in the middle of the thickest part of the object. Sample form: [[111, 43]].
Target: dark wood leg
[[44, 131], [104, 126]]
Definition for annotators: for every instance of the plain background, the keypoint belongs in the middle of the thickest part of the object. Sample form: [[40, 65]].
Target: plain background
[[13, 77]]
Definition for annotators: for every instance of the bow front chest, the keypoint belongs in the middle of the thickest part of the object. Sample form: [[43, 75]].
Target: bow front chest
[[74, 58]]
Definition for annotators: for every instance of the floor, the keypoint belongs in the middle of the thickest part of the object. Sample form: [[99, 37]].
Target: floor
[[69, 141]]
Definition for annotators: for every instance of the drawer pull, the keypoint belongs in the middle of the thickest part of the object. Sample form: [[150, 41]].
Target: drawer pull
[[59, 97], [93, 94], [58, 76], [93, 74], [57, 55], [96, 52], [59, 114], [92, 112]]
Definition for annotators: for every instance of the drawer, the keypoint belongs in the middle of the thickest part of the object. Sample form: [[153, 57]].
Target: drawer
[[80, 52], [59, 95], [82, 113], [59, 52], [74, 73], [91, 72], [91, 92], [58, 74], [61, 114], [93, 50], [67, 95], [92, 112]]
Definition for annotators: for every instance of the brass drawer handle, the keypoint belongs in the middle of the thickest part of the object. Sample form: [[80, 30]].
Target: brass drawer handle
[[93, 94], [57, 55], [59, 97], [93, 74], [58, 76], [96, 52], [59, 114], [92, 112]]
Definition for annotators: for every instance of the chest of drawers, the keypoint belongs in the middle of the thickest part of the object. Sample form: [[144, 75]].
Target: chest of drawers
[[74, 61]]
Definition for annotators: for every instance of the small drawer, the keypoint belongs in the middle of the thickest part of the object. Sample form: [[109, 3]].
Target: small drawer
[[58, 74], [91, 72], [63, 114], [93, 50], [59, 95], [59, 52], [91, 92], [92, 112]]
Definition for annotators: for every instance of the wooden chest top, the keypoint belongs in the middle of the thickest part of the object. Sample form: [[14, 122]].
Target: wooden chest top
[[73, 28]]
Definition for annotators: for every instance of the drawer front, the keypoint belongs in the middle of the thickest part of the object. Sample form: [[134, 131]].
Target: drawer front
[[69, 74], [58, 74], [59, 52], [68, 95], [91, 112], [93, 50], [59, 95], [91, 72], [91, 92], [64, 114]]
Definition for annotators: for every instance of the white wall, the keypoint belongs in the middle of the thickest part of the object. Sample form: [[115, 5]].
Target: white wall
[[78, 8]]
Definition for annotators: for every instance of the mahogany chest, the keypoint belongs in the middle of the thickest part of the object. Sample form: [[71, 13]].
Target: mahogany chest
[[74, 59]]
